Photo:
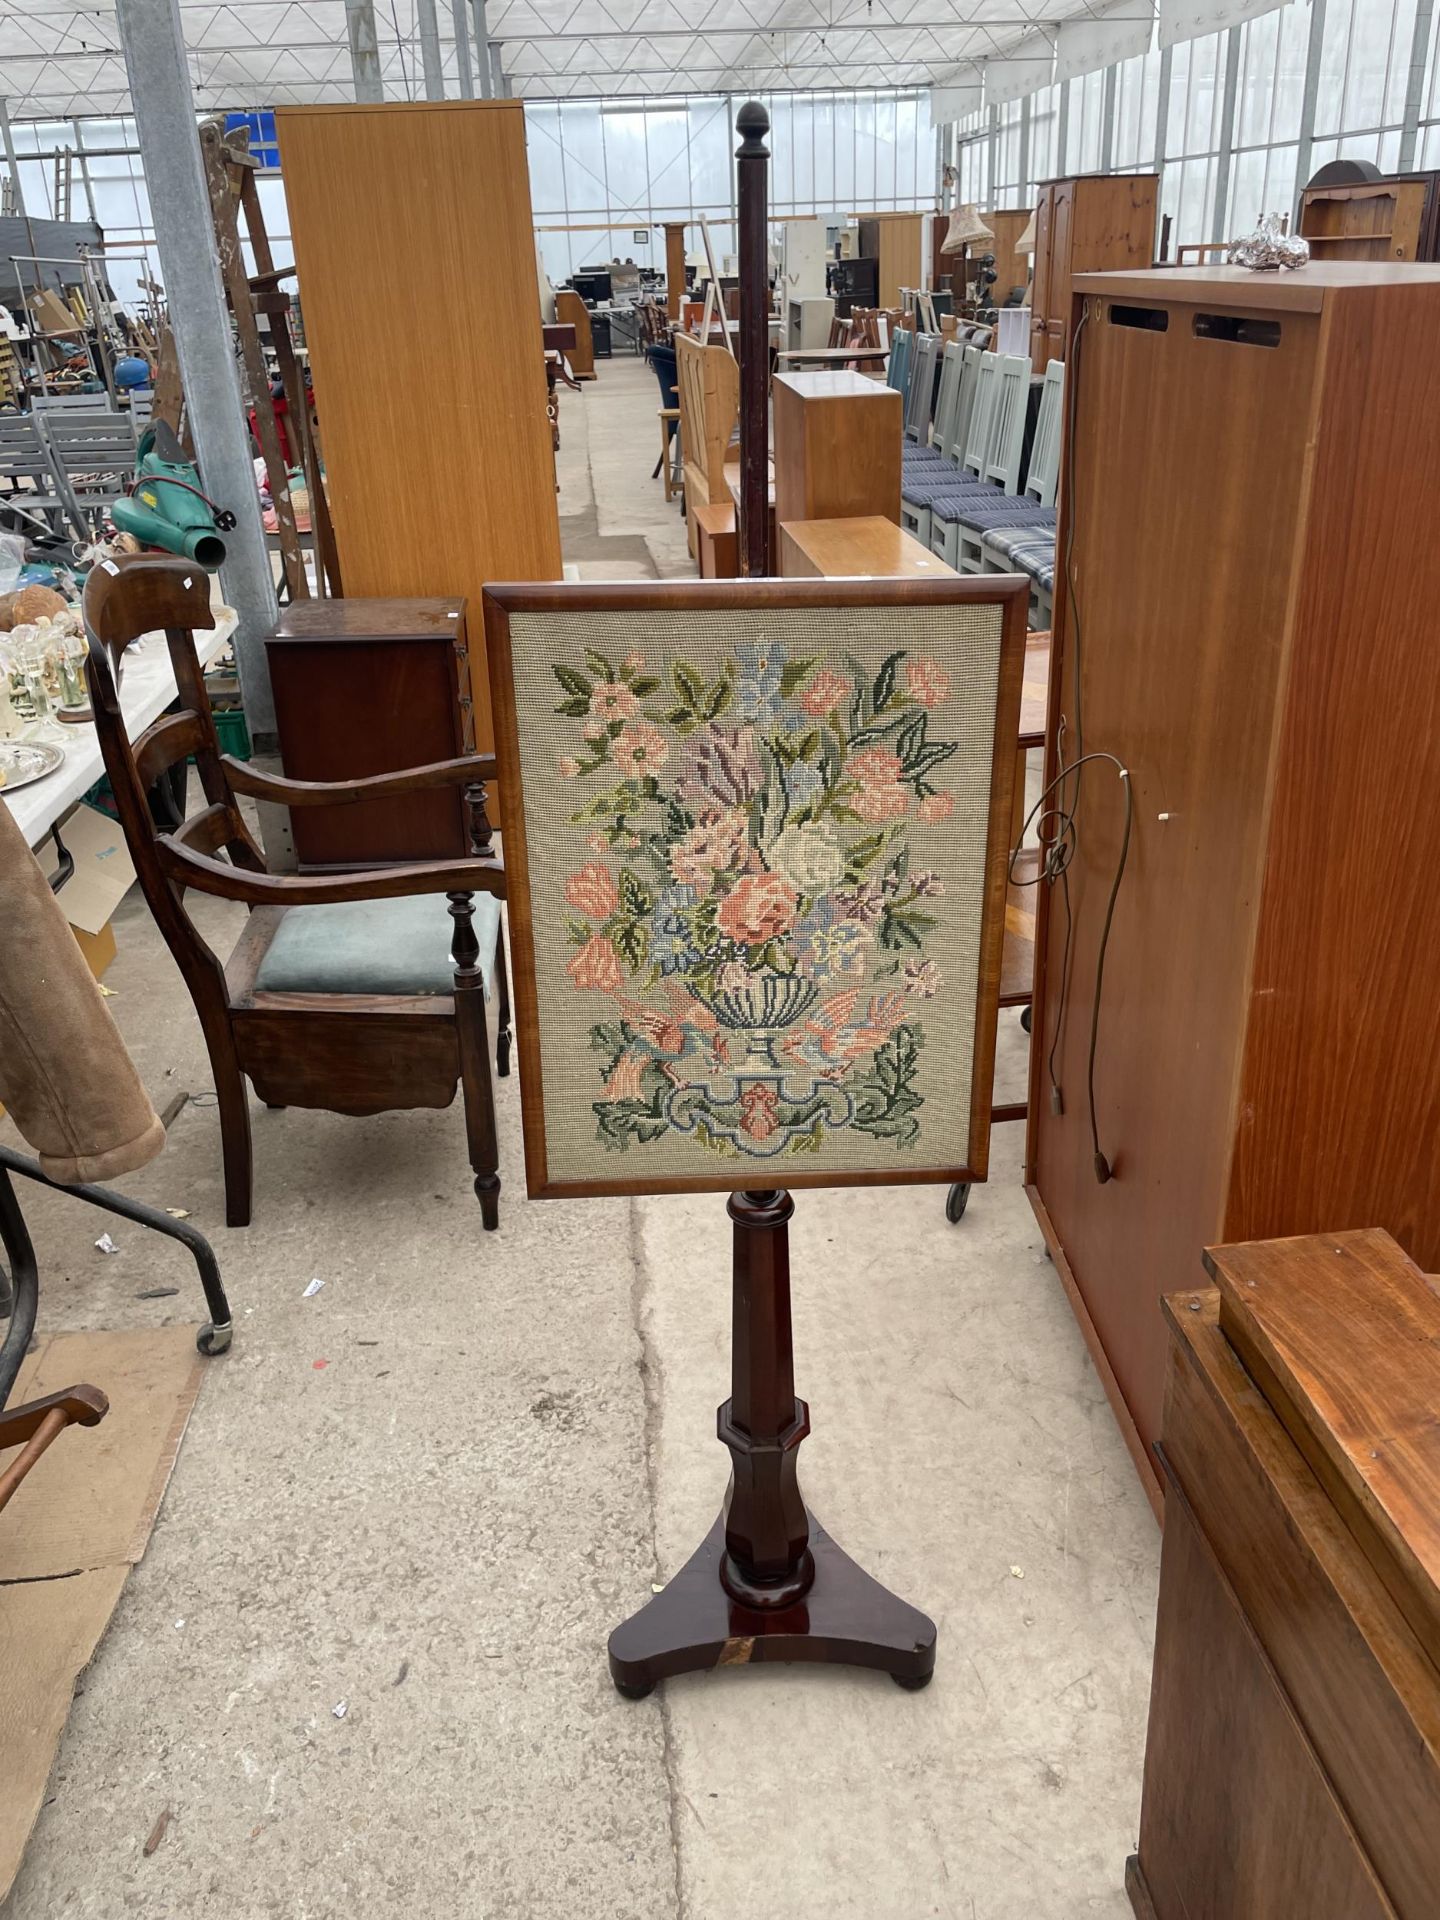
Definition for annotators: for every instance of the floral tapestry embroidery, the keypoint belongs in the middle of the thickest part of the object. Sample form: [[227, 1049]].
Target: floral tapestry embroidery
[[750, 892]]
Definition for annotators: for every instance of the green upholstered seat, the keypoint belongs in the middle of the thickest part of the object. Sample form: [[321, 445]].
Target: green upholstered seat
[[375, 946]]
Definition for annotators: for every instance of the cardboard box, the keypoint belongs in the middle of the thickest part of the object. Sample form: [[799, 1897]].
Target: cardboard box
[[103, 871]]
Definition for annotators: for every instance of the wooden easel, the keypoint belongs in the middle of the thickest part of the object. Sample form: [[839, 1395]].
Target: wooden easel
[[767, 1582]]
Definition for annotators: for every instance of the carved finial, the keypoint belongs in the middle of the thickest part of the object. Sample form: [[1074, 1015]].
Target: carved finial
[[752, 123]]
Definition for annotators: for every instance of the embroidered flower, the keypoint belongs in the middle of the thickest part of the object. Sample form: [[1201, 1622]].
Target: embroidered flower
[[761, 907], [828, 946], [720, 765], [927, 885], [595, 728], [864, 903], [922, 978], [612, 700], [596, 965], [633, 663], [803, 783], [927, 681], [824, 692], [592, 890], [877, 775], [809, 856], [761, 665], [641, 749], [568, 767], [596, 841], [713, 845], [936, 807]]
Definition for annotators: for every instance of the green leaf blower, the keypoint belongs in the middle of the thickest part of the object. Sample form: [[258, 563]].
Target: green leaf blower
[[167, 507]]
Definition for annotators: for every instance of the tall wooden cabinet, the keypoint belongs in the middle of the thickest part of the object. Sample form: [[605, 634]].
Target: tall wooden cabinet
[[1094, 223], [896, 241], [414, 240], [1253, 635]]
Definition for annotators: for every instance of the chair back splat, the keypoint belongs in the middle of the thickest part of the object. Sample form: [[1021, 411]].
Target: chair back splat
[[1044, 475]]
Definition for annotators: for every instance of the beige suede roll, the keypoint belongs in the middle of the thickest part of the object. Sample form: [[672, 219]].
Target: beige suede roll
[[65, 1076]]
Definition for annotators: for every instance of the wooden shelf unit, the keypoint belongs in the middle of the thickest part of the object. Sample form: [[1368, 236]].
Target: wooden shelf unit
[[1255, 489], [1375, 220]]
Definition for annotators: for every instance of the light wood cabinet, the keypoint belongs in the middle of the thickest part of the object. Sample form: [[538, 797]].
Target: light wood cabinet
[[1094, 223], [896, 242], [1252, 634], [415, 246], [837, 447]]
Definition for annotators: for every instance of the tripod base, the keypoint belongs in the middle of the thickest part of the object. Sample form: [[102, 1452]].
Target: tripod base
[[845, 1619]]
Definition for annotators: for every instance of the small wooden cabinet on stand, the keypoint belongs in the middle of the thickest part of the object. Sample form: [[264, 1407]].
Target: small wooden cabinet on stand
[[1096, 223], [372, 686]]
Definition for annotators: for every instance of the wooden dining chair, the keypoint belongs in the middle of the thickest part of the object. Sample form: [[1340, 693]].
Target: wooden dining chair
[[352, 993]]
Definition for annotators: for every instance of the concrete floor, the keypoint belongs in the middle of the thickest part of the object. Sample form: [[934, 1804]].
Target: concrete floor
[[430, 1490]]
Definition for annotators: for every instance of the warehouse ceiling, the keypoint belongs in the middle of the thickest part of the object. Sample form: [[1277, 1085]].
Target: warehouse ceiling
[[58, 61]]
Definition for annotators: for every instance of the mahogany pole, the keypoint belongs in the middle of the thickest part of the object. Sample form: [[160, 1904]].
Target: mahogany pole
[[767, 1582], [751, 192], [767, 1532]]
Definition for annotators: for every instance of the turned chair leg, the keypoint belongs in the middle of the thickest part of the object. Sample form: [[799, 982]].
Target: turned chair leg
[[234, 1104], [474, 1050]]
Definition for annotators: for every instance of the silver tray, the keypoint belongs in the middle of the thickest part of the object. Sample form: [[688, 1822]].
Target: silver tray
[[24, 761]]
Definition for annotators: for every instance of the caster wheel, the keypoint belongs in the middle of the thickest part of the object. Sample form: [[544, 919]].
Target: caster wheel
[[1025, 1018], [213, 1340], [956, 1202], [635, 1689], [502, 1056], [913, 1686]]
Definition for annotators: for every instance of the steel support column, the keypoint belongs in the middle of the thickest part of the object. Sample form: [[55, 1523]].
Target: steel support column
[[164, 107]]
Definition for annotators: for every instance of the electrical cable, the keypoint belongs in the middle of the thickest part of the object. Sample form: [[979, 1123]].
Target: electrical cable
[[224, 519], [1056, 825]]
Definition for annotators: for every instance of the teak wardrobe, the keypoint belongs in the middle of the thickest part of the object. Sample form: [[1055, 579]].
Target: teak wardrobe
[[414, 240], [1253, 627]]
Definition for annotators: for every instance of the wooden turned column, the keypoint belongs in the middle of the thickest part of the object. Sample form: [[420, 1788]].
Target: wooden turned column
[[767, 1532]]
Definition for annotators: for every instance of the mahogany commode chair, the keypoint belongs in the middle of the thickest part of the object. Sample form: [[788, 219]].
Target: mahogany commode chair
[[353, 993]]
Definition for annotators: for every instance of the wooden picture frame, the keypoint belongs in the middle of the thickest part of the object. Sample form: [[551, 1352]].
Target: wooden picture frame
[[646, 608]]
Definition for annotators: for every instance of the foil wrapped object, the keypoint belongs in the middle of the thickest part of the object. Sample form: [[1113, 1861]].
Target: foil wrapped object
[[1269, 247]]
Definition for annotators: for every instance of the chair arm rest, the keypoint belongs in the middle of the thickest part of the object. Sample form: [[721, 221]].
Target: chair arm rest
[[207, 875], [473, 769]]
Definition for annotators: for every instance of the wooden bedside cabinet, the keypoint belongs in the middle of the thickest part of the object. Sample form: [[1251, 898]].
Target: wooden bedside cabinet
[[373, 686]]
